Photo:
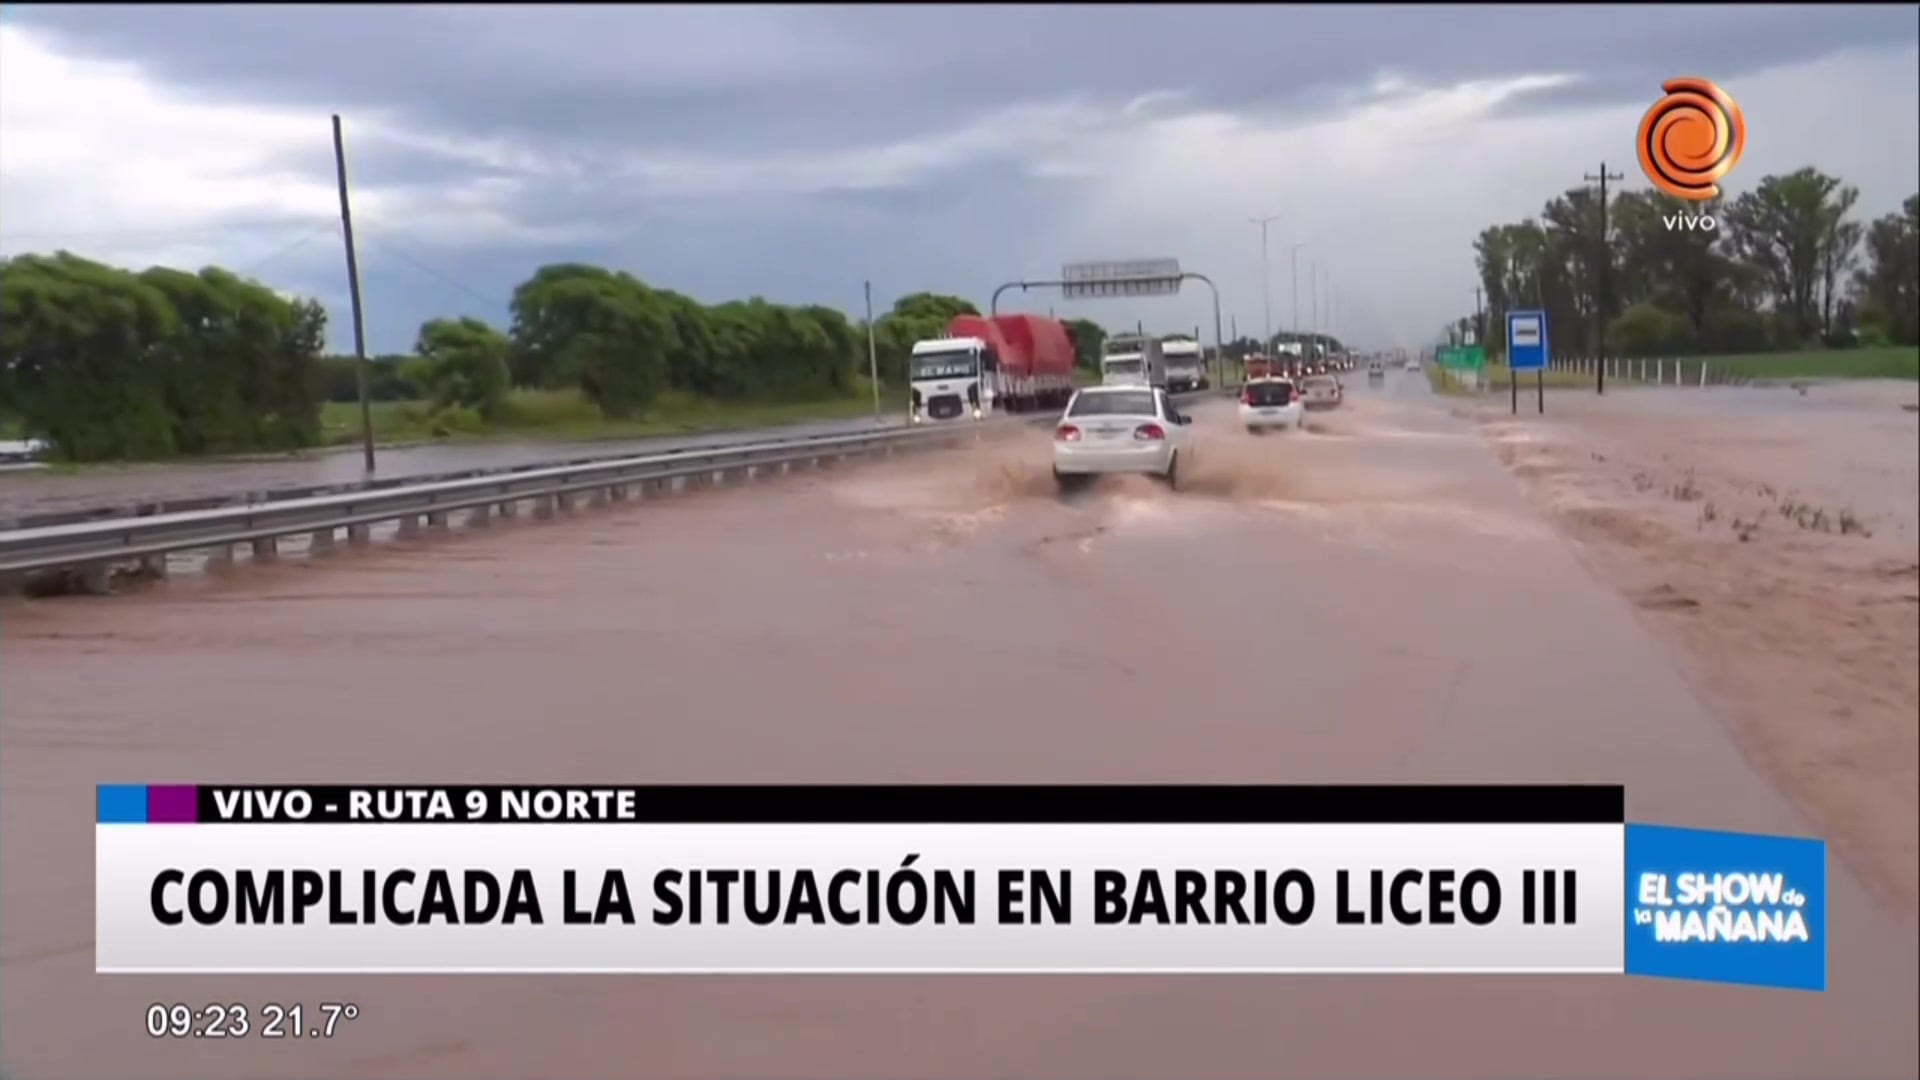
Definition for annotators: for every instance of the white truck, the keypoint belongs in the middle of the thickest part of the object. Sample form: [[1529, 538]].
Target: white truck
[[1133, 360], [1186, 366]]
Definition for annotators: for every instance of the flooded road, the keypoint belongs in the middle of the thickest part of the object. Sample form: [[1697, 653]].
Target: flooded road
[[42, 491], [1370, 600]]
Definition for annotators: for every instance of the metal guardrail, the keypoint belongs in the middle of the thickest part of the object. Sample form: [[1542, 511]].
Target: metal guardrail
[[151, 507], [96, 545], [147, 534]]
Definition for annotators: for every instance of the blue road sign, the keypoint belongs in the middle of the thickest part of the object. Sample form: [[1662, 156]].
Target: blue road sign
[[1526, 340]]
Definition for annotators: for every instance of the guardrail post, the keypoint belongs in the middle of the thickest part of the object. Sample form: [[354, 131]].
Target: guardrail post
[[480, 517], [1703, 373], [266, 549], [321, 542], [563, 501], [510, 508], [436, 519], [154, 566], [543, 508], [409, 524], [1659, 372], [94, 580], [359, 535]]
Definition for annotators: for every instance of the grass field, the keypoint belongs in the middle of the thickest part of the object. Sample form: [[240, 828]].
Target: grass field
[[1496, 377], [567, 414], [1894, 362], [1891, 362]]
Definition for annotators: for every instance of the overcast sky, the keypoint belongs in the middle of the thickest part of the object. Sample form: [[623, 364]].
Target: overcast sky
[[793, 152]]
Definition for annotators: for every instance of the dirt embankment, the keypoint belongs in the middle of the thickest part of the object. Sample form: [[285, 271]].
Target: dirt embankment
[[1771, 537]]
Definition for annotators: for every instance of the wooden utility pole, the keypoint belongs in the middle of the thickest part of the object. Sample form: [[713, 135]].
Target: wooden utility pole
[[1606, 278], [873, 351], [353, 287]]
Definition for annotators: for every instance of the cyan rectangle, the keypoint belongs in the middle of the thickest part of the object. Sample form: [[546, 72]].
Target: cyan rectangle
[[1726, 907], [121, 804]]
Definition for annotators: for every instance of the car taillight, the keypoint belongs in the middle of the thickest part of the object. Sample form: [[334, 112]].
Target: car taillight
[[1067, 433], [1246, 397], [1149, 432]]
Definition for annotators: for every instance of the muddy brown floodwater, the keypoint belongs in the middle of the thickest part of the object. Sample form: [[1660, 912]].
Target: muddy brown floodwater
[[31, 492], [1772, 537], [1375, 601]]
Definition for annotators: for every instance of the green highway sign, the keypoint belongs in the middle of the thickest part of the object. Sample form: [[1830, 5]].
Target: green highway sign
[[1465, 357]]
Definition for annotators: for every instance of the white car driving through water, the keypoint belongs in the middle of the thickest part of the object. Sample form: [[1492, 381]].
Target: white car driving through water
[[1270, 403], [1121, 429]]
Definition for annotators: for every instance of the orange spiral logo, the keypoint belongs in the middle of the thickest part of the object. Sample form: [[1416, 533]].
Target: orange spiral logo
[[1691, 138]]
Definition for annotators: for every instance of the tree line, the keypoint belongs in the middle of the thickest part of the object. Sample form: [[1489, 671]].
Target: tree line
[[1783, 266], [735, 351], [106, 363]]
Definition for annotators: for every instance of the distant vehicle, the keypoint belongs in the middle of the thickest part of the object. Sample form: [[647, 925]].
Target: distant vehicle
[[1413, 363], [1321, 392], [1270, 403], [1121, 429], [1377, 371], [1008, 363], [1257, 366], [21, 450], [1133, 360], [1186, 367]]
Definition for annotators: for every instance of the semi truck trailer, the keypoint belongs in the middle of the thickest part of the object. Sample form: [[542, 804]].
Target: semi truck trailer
[[1133, 360], [1186, 367], [984, 365]]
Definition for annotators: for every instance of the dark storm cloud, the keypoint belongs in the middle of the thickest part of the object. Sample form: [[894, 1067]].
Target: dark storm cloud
[[592, 119], [747, 77]]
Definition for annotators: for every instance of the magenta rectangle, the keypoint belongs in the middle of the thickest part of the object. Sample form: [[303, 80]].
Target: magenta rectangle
[[173, 804]]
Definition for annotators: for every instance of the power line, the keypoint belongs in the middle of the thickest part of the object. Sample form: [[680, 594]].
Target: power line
[[287, 249], [447, 279]]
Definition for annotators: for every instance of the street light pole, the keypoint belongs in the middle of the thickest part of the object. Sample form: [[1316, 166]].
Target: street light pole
[[1266, 276], [1313, 296], [873, 351], [1293, 277]]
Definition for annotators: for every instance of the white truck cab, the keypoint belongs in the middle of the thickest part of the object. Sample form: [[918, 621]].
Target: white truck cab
[[1133, 360], [1186, 366], [947, 376]]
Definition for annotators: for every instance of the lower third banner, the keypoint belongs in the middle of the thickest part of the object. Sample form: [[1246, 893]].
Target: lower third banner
[[971, 879]]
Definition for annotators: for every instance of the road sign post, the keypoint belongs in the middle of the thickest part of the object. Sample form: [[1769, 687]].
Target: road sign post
[[1124, 277], [1462, 364], [1527, 350]]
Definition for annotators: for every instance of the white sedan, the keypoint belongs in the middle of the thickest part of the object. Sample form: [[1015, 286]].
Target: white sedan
[[1322, 391], [1121, 429], [1270, 403]]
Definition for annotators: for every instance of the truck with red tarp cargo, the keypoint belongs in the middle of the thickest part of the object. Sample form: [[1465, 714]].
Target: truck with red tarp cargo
[[984, 365]]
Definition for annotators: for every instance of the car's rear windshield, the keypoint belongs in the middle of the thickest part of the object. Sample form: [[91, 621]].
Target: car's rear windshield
[[1112, 404], [1269, 394], [1319, 382]]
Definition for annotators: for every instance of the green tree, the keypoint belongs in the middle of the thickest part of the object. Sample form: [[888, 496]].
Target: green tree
[[932, 306], [1785, 229], [1089, 338], [1889, 284], [1647, 329], [600, 330], [466, 365]]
